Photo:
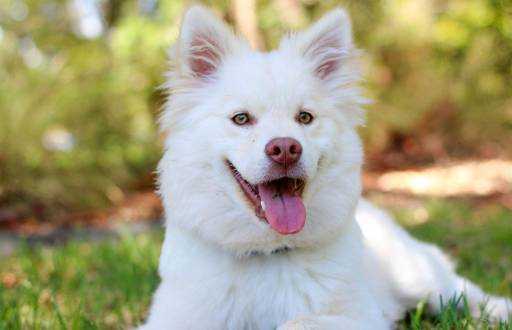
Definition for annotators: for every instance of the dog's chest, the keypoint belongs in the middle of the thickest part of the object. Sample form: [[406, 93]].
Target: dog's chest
[[264, 292], [205, 287]]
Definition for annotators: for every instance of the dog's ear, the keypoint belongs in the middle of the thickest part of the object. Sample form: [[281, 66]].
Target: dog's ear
[[326, 44], [204, 43]]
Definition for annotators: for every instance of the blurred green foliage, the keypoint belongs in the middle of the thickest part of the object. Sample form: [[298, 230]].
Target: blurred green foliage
[[79, 78], [98, 94]]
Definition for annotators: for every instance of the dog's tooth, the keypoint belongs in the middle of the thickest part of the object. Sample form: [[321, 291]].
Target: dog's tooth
[[263, 205]]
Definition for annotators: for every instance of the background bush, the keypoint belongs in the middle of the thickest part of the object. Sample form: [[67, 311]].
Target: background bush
[[79, 78]]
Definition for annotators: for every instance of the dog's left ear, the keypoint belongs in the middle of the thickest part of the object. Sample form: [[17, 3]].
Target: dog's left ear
[[326, 44]]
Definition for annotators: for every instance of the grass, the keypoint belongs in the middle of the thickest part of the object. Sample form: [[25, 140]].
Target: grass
[[480, 240], [81, 285], [108, 284]]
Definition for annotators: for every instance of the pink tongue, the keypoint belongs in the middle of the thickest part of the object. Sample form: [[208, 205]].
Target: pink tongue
[[284, 210]]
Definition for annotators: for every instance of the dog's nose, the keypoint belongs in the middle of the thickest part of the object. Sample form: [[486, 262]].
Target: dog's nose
[[285, 151]]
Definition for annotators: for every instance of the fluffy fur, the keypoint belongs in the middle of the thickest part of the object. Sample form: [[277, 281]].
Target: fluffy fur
[[222, 267]]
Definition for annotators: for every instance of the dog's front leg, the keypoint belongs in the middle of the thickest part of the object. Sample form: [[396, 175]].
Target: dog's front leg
[[335, 322]]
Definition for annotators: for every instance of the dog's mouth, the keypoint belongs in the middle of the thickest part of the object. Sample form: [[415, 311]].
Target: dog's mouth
[[278, 202]]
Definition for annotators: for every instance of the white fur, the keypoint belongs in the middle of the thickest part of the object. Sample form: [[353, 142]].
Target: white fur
[[351, 267]]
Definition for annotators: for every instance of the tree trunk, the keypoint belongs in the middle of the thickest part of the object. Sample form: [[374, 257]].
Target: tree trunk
[[246, 20]]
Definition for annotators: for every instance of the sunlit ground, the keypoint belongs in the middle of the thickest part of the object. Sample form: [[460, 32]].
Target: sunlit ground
[[478, 178]]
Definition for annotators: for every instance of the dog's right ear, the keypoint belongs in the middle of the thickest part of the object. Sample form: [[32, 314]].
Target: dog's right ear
[[204, 43]]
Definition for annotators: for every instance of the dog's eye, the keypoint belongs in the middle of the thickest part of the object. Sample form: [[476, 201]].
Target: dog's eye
[[242, 118], [305, 117]]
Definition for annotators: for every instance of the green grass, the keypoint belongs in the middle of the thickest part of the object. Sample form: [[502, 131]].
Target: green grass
[[108, 284], [81, 285], [480, 240]]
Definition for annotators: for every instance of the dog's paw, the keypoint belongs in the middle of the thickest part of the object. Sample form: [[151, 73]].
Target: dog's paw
[[499, 309], [297, 325], [494, 309]]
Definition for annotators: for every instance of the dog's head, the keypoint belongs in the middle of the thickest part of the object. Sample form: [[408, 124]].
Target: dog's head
[[262, 151]]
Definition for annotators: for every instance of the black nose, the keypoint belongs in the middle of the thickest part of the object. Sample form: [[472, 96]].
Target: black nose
[[284, 151]]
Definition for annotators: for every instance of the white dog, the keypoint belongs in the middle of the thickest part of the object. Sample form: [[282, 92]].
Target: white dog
[[261, 185]]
